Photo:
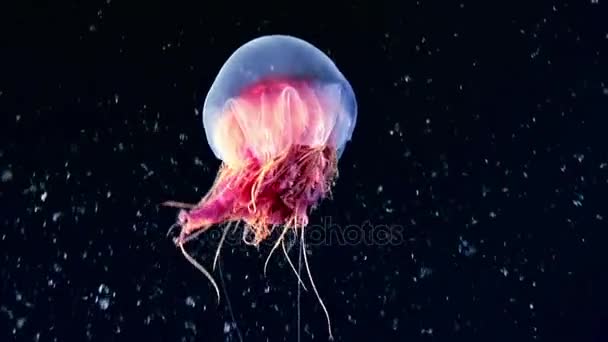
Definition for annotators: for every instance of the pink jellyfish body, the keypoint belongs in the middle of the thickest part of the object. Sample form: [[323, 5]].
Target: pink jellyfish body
[[278, 116]]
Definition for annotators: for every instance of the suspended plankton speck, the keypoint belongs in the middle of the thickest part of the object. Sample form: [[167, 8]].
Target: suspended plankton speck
[[7, 176]]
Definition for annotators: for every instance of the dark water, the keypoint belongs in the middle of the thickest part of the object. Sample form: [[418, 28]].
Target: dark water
[[480, 152]]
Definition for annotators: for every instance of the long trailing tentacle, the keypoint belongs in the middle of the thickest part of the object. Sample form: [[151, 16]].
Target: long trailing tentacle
[[219, 246], [236, 326], [191, 236], [276, 245], [331, 337], [181, 205], [173, 226], [292, 266], [219, 264], [299, 292], [201, 269]]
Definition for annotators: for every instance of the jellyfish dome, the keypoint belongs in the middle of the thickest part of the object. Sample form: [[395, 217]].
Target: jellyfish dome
[[275, 92]]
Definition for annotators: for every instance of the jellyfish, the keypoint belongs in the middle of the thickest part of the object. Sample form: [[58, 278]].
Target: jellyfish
[[278, 116]]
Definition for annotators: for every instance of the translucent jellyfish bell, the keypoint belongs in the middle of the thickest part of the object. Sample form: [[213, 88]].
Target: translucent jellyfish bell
[[313, 102]]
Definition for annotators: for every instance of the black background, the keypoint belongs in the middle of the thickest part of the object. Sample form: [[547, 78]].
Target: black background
[[480, 143]]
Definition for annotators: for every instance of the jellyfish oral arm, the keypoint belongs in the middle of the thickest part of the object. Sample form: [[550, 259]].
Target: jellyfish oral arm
[[201, 217]]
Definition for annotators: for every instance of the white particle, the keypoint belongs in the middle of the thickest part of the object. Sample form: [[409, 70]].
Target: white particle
[[103, 303], [424, 272], [7, 176], [103, 300], [190, 302], [466, 248], [20, 322], [426, 331], [56, 216]]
